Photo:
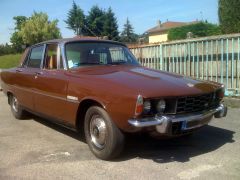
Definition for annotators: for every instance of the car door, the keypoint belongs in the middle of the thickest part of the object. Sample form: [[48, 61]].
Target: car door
[[51, 85], [24, 76]]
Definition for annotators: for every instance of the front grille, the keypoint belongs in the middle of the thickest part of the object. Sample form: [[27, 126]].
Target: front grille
[[197, 103]]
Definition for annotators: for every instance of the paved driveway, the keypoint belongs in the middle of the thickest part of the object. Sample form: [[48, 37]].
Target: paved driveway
[[37, 149]]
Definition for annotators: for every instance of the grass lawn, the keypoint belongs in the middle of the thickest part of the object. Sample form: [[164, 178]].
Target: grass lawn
[[9, 61]]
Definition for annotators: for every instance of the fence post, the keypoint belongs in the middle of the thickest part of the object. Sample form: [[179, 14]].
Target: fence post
[[238, 69], [226, 92], [232, 74], [161, 56]]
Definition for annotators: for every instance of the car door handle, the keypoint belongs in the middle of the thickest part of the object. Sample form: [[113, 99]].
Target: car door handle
[[19, 70], [38, 73]]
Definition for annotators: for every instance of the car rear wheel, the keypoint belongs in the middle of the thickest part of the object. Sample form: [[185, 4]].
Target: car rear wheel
[[104, 138], [16, 108]]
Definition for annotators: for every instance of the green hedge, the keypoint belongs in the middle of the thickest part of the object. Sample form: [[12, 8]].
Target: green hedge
[[200, 29], [9, 61]]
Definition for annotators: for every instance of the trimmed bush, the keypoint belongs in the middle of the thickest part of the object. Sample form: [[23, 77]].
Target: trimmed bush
[[200, 29]]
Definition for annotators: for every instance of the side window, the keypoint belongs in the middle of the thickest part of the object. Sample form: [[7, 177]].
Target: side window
[[35, 57], [51, 57]]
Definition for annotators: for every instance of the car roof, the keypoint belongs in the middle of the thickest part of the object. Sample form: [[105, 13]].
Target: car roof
[[79, 39]]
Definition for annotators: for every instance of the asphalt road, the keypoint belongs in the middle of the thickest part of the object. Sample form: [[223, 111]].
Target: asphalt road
[[37, 149]]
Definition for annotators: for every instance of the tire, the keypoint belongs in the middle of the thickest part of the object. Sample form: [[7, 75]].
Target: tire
[[16, 108], [104, 138]]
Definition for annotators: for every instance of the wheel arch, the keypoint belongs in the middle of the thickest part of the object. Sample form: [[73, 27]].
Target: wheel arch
[[84, 105], [9, 93]]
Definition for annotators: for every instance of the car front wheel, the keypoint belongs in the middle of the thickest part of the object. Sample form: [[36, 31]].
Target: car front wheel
[[104, 138], [16, 108]]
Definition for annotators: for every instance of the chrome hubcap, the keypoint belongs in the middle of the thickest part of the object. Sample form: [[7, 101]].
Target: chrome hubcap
[[98, 131], [15, 104]]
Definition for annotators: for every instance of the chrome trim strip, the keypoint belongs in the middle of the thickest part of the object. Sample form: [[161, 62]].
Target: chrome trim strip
[[72, 98], [157, 120], [58, 57], [44, 94]]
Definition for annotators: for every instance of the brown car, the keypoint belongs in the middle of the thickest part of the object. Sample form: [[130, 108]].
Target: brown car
[[99, 87]]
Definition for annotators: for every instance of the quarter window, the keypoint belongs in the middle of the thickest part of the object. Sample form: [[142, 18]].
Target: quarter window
[[51, 57], [35, 57]]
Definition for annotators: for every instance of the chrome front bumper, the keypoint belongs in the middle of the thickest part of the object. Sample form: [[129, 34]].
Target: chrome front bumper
[[164, 122]]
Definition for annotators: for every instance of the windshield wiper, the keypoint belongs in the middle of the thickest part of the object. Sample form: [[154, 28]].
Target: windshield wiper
[[118, 62]]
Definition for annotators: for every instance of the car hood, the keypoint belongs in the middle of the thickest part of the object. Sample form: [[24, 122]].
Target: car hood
[[145, 81]]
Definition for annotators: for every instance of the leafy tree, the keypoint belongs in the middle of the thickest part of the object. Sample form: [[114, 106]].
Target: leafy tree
[[110, 27], [39, 28], [95, 21], [200, 29], [128, 34], [16, 39], [76, 20], [229, 15], [19, 20], [17, 42]]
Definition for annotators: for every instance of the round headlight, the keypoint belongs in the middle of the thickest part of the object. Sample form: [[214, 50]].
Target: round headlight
[[161, 105], [146, 106]]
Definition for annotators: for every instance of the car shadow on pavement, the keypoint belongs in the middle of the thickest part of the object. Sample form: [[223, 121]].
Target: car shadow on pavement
[[179, 149], [62, 129]]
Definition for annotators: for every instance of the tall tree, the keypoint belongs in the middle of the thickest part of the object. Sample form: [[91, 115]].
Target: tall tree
[[76, 20], [110, 27], [229, 15], [19, 20], [95, 21], [128, 34], [16, 39], [39, 28]]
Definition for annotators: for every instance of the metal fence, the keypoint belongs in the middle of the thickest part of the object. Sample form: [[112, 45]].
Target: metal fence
[[215, 58]]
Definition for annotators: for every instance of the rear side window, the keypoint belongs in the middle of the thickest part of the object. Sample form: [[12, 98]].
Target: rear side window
[[51, 57], [35, 57]]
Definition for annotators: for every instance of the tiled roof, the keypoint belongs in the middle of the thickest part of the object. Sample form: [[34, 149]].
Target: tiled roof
[[168, 25]]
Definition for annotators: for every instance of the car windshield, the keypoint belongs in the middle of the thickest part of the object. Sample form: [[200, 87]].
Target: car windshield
[[92, 53]]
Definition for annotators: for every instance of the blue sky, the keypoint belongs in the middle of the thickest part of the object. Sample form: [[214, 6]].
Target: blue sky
[[143, 14]]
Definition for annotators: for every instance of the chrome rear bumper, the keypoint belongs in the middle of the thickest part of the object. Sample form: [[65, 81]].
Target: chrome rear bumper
[[163, 122]]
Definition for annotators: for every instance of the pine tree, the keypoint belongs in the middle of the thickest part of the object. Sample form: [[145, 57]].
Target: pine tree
[[95, 21], [76, 20], [110, 27], [229, 15], [128, 34]]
